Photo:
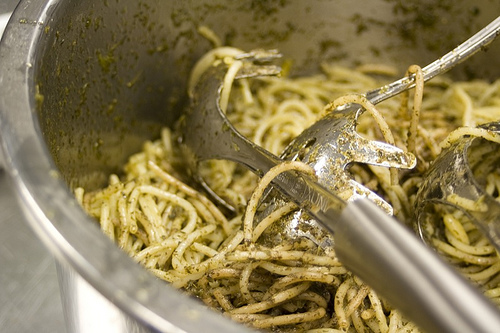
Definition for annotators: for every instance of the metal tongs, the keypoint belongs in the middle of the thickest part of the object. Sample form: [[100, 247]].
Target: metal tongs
[[370, 243], [456, 176]]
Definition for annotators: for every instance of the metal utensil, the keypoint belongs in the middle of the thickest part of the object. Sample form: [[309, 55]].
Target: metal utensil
[[370, 243], [332, 143], [455, 176]]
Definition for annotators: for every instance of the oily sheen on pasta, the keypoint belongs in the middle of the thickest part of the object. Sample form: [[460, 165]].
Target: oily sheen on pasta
[[182, 237]]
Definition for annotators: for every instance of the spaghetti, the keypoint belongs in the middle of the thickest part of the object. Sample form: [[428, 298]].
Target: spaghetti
[[183, 238]]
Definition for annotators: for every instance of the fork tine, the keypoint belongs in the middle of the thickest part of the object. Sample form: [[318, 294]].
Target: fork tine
[[249, 70], [383, 154], [359, 191]]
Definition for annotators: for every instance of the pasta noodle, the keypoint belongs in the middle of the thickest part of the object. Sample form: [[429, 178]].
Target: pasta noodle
[[183, 238]]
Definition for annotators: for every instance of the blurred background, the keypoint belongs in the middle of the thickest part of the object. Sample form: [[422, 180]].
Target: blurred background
[[29, 291]]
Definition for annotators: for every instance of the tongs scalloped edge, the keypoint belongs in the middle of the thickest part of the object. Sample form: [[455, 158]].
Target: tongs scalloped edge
[[436, 297], [450, 179]]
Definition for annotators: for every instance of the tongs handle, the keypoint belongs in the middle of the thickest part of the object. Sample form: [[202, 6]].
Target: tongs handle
[[379, 249], [479, 41]]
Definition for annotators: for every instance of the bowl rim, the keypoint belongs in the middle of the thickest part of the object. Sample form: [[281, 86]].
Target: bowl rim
[[51, 209]]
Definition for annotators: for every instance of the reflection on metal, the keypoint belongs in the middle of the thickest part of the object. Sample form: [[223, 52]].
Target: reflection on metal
[[87, 311]]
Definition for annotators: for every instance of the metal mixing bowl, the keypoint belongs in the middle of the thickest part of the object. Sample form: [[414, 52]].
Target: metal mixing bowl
[[84, 83]]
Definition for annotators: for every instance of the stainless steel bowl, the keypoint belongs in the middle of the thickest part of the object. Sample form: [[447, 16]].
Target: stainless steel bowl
[[84, 83]]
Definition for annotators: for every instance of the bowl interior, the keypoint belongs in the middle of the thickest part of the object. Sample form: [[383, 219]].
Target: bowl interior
[[110, 74], [85, 83]]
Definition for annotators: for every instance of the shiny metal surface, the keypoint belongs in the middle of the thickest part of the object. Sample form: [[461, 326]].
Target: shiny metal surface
[[452, 174], [29, 292], [46, 200], [331, 144], [87, 311], [109, 74], [207, 133], [449, 304]]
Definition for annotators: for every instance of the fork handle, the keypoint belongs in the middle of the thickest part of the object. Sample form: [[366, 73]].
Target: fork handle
[[410, 276], [479, 41]]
